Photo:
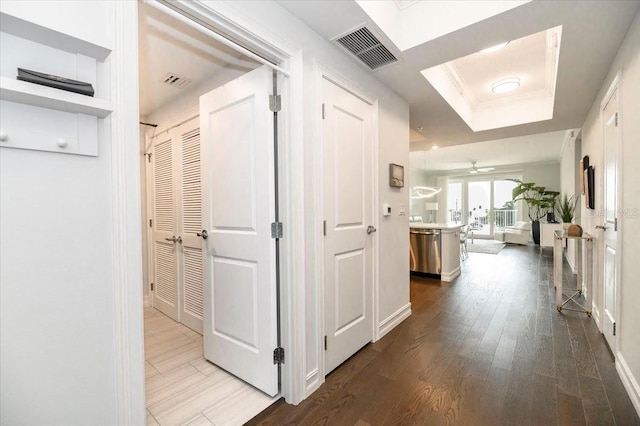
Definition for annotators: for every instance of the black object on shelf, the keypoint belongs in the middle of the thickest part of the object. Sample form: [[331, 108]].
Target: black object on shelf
[[55, 81]]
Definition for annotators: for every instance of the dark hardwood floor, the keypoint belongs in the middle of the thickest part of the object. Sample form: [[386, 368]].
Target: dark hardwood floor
[[487, 349]]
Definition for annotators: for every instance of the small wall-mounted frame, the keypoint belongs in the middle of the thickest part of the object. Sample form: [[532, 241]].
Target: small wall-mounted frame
[[396, 175]]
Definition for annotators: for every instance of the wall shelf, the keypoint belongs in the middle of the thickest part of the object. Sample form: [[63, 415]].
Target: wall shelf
[[31, 31], [47, 97]]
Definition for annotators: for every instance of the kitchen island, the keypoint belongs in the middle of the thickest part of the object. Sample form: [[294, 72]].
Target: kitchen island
[[434, 249]]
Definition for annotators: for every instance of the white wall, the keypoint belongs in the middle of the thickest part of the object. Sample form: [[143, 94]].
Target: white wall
[[627, 61], [568, 169], [57, 326], [393, 134]]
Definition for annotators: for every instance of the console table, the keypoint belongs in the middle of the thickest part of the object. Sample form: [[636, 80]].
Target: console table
[[583, 284]]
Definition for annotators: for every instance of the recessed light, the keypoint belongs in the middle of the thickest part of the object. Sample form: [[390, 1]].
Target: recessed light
[[435, 146], [506, 85], [494, 48]]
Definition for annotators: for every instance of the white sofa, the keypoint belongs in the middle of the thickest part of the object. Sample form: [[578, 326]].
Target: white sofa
[[519, 233]]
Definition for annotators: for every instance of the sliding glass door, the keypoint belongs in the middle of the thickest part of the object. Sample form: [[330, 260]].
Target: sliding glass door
[[483, 204]]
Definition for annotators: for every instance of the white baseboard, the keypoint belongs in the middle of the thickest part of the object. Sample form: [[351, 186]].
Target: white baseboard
[[146, 302], [595, 313], [450, 276], [312, 382], [394, 319], [629, 381]]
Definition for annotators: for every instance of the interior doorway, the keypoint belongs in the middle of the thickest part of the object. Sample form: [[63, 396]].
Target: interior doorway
[[178, 65]]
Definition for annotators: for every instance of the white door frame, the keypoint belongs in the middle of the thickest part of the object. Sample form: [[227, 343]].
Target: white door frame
[[615, 86], [126, 212], [321, 71]]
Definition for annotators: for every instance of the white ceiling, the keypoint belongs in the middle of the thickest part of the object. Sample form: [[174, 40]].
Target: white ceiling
[[169, 46], [502, 153], [591, 34]]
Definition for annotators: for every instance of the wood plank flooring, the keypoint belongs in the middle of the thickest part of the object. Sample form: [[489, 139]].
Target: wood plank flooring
[[183, 388], [487, 349]]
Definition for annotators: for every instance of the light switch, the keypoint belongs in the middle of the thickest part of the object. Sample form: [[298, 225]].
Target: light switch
[[386, 209], [402, 209]]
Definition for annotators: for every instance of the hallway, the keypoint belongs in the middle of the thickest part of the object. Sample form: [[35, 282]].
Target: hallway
[[489, 348]]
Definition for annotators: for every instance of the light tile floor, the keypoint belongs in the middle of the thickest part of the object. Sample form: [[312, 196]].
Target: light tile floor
[[182, 388]]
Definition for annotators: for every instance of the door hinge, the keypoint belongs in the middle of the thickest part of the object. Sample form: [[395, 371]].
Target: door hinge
[[278, 355], [616, 119], [276, 230], [151, 286], [148, 155], [614, 328], [323, 111], [325, 343], [615, 224], [275, 103], [324, 228], [150, 223]]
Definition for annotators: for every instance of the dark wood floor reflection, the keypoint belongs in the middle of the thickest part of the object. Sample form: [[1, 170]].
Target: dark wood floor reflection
[[487, 349]]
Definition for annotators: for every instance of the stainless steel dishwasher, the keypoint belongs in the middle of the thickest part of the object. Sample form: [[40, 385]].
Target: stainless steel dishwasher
[[424, 250]]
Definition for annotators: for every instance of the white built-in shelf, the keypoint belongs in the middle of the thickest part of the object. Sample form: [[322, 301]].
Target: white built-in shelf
[[48, 97], [31, 31]]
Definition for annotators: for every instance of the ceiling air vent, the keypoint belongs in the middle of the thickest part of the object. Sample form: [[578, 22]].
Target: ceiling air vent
[[175, 80], [367, 48]]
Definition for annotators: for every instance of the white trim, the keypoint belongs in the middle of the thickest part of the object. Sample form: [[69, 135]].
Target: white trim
[[313, 380], [629, 381], [322, 72], [126, 212], [394, 319], [375, 217], [146, 301], [450, 276], [595, 313], [162, 7]]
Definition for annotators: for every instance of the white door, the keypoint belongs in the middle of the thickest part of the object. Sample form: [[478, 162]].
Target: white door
[[165, 247], [347, 137], [611, 143], [189, 224], [238, 207]]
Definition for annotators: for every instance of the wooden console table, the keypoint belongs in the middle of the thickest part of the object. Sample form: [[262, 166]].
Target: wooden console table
[[582, 286]]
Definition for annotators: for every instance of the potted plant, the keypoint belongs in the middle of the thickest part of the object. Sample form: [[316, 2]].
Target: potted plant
[[566, 208], [539, 201]]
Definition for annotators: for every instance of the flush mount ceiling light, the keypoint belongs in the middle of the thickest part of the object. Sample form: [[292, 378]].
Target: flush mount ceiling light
[[435, 146], [506, 85], [494, 48]]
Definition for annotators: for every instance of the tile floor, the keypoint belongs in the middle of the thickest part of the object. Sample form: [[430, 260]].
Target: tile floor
[[182, 388]]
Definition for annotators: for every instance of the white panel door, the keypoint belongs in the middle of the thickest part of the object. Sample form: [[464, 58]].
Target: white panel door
[[611, 143], [189, 224], [238, 206], [165, 250], [348, 205]]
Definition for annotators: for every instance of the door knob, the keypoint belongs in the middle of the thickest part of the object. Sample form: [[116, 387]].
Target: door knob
[[172, 239], [204, 234], [179, 239], [603, 227], [371, 229]]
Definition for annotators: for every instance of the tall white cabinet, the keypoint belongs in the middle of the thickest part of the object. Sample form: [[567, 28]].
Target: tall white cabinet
[[176, 249]]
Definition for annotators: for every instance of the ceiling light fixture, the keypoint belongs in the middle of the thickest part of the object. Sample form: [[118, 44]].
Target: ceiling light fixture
[[419, 192], [506, 85], [435, 146], [494, 48]]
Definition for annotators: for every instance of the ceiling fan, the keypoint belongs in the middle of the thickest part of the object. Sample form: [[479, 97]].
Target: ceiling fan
[[474, 169]]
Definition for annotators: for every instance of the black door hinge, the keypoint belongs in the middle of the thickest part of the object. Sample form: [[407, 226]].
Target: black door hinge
[[324, 227], [325, 343], [151, 286], [614, 328], [278, 356], [150, 223], [323, 111]]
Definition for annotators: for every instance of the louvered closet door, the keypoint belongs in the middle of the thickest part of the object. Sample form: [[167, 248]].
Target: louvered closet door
[[165, 251], [188, 137]]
